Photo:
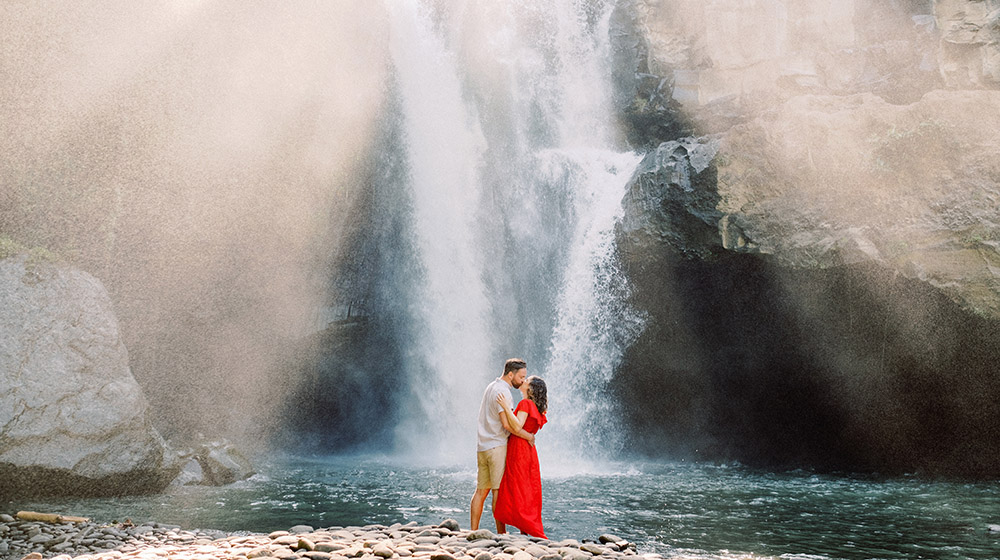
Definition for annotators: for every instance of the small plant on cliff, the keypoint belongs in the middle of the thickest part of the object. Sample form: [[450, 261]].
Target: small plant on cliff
[[979, 236], [894, 151], [35, 255], [38, 255]]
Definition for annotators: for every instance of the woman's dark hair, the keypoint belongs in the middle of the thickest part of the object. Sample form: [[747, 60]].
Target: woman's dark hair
[[538, 393]]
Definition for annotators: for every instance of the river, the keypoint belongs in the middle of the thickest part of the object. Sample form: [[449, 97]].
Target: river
[[675, 509]]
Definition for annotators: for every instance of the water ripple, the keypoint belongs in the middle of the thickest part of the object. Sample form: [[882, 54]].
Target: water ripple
[[676, 510]]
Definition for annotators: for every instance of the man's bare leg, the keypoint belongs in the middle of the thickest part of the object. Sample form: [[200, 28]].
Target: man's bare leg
[[501, 528], [476, 509]]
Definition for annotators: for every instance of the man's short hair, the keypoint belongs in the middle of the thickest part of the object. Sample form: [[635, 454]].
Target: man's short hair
[[514, 364]]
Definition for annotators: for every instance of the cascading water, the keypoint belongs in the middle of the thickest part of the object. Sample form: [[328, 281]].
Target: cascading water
[[594, 322], [443, 146], [515, 193]]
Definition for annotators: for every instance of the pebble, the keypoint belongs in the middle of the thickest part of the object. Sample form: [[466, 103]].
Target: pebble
[[480, 534], [156, 541], [304, 544], [522, 555], [536, 551]]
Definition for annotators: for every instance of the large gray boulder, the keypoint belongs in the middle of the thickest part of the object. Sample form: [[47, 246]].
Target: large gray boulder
[[73, 420]]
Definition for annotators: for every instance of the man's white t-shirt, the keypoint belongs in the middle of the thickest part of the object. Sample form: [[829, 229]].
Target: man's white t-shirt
[[491, 432]]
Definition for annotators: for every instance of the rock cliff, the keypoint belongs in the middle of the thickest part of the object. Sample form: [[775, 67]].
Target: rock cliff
[[819, 164], [73, 420], [725, 63], [970, 42], [828, 181], [821, 266]]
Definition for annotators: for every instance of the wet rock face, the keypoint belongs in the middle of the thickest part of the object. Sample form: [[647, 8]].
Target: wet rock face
[[823, 292], [831, 181], [842, 180], [685, 65], [849, 368], [72, 418], [970, 42]]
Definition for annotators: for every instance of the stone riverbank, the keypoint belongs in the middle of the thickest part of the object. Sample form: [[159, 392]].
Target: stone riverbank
[[150, 541]]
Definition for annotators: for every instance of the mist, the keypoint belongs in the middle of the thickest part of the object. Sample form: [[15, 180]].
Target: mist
[[198, 158]]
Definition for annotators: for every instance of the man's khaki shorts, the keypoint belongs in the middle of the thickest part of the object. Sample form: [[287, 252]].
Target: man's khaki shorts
[[491, 463]]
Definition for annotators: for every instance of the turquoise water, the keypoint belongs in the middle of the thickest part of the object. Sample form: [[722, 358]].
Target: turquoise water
[[675, 509]]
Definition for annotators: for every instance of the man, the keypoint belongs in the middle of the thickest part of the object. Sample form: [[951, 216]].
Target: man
[[493, 431]]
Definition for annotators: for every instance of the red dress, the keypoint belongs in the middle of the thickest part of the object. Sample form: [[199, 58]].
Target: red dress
[[519, 500]]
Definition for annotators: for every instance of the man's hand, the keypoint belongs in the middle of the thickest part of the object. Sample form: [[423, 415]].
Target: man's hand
[[531, 439]]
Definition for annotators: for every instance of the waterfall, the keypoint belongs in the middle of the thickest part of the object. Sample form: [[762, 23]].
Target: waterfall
[[444, 146], [594, 322], [516, 187]]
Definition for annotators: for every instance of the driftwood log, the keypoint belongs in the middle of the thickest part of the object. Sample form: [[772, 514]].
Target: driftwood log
[[50, 517]]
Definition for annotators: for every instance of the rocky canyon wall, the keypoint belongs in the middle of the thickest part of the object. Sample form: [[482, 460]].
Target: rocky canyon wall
[[821, 266]]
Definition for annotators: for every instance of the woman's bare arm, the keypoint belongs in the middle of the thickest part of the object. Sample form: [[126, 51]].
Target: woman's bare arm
[[514, 424]]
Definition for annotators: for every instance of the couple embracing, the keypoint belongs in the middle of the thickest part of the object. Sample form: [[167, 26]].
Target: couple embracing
[[507, 460]]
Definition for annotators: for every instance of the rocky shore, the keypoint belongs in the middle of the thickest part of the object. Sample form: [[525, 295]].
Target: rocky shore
[[31, 540]]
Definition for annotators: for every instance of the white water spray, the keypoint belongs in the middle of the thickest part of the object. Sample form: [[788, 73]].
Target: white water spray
[[594, 322], [444, 145]]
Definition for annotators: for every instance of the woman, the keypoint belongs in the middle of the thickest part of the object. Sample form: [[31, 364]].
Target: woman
[[519, 500]]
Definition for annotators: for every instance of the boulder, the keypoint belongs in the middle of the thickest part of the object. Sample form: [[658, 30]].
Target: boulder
[[212, 463], [73, 420], [191, 474], [672, 199], [222, 463], [828, 181]]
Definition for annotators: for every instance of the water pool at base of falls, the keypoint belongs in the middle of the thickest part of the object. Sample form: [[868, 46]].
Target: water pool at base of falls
[[674, 509]]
